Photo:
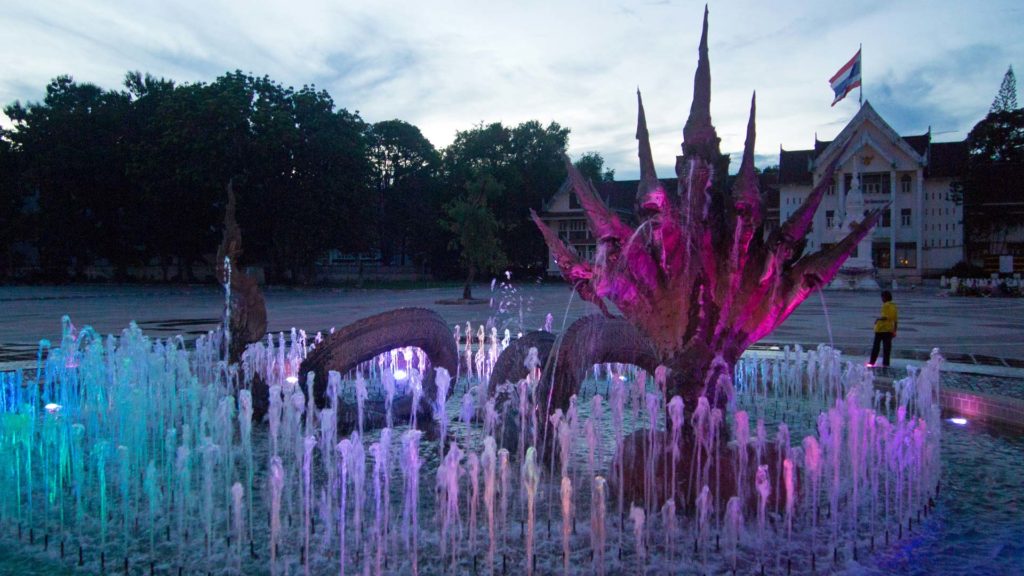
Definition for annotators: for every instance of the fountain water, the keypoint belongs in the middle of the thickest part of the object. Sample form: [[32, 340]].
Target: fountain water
[[146, 431]]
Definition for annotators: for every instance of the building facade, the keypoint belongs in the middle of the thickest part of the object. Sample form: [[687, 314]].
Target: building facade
[[921, 232], [563, 214]]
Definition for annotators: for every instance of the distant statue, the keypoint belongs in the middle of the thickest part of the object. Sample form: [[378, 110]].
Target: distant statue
[[858, 271], [246, 309]]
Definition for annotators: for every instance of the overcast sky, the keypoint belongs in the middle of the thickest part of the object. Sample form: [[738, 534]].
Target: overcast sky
[[446, 66]]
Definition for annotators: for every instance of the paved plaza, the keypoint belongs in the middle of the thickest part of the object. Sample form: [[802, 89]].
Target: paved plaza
[[986, 333]]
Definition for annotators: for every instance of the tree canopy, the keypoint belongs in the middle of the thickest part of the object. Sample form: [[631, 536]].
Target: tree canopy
[[992, 193], [404, 173], [475, 227], [526, 160], [591, 165], [136, 176], [1006, 98]]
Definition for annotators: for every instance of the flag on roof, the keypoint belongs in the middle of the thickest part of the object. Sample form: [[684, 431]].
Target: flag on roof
[[846, 79]]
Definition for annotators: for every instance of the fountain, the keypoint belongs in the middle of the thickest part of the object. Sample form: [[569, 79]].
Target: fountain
[[139, 460], [152, 457]]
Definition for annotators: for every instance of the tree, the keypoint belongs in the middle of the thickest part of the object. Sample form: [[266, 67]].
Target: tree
[[993, 200], [404, 170], [14, 221], [152, 167], [267, 180], [476, 230], [527, 161], [998, 138], [537, 157], [591, 165], [299, 168], [327, 201], [137, 176], [188, 142], [1006, 98], [72, 147]]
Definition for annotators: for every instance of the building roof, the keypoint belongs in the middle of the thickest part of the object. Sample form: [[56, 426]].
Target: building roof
[[795, 166], [947, 159], [919, 143], [944, 159], [619, 195]]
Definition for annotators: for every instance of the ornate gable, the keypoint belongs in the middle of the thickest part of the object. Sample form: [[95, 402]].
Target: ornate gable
[[873, 140]]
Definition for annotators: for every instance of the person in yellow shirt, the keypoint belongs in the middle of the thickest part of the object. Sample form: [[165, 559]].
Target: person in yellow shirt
[[885, 330]]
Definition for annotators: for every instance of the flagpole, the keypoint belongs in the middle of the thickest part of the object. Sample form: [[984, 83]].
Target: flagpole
[[860, 93]]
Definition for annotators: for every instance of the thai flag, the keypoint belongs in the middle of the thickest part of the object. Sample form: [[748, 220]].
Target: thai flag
[[846, 79]]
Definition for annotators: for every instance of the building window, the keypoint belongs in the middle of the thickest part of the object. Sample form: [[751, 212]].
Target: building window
[[906, 255], [905, 184], [874, 183], [905, 217], [831, 189], [574, 202], [886, 219], [880, 254], [830, 216]]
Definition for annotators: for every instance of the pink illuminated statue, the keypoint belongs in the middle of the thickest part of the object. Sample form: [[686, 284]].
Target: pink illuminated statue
[[696, 281]]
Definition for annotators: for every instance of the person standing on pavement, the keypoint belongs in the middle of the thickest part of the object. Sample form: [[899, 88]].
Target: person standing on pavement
[[885, 330]]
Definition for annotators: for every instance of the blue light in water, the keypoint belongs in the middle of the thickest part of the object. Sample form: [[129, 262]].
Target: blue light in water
[[401, 374], [958, 421], [292, 379]]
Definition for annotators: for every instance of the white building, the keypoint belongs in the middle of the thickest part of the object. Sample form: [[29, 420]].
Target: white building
[[563, 214], [922, 232]]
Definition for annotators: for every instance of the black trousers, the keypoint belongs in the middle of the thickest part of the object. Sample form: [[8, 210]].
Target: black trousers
[[885, 339]]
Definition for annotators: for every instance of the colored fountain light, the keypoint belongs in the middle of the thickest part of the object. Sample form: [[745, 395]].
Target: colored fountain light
[[292, 379], [958, 420], [52, 407], [165, 465]]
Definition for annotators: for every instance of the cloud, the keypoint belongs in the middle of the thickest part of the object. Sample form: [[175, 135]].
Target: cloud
[[445, 66], [943, 93]]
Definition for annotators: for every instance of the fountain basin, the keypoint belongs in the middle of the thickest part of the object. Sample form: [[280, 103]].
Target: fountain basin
[[168, 539]]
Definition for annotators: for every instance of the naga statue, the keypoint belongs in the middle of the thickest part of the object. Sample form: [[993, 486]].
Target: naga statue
[[246, 310], [697, 281]]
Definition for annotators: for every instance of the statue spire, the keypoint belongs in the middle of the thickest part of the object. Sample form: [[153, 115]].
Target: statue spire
[[699, 136], [745, 187], [650, 193]]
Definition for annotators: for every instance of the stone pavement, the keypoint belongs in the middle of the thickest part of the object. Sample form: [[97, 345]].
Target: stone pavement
[[982, 338]]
